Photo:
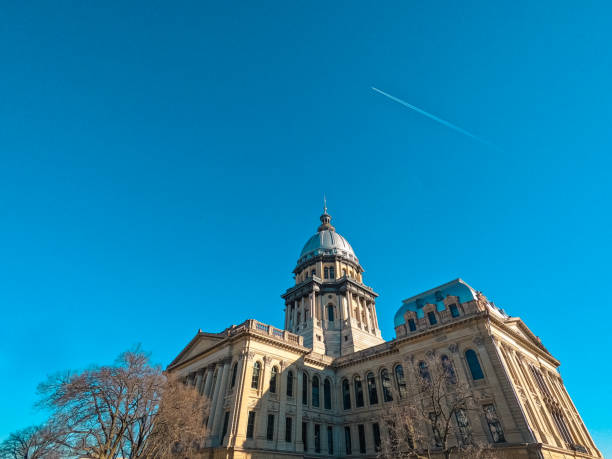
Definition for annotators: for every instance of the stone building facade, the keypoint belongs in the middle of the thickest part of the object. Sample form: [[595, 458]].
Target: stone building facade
[[320, 386]]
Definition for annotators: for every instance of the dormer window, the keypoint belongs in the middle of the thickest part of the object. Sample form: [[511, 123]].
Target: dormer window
[[326, 272], [454, 310], [411, 325], [432, 318]]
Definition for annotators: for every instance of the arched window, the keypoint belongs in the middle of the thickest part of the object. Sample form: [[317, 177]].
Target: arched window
[[304, 388], [346, 394], [315, 391], [313, 273], [256, 373], [474, 364], [386, 386], [411, 325], [424, 372], [234, 371], [330, 312], [400, 381], [372, 393], [327, 395], [358, 392], [290, 383], [449, 370], [273, 378], [326, 272]]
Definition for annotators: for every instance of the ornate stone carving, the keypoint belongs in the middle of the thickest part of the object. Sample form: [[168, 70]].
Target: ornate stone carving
[[478, 341], [453, 348], [267, 360], [250, 356]]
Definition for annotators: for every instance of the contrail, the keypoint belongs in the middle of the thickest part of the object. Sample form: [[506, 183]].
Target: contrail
[[435, 118]]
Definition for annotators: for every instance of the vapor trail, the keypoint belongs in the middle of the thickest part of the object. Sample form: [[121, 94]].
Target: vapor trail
[[435, 118]]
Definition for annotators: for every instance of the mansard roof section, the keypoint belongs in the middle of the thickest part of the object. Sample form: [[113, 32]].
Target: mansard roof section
[[435, 296]]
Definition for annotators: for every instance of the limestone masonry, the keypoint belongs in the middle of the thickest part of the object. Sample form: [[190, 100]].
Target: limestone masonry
[[320, 386]]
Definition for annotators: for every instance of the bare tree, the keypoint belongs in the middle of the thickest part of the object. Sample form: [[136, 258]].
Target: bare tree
[[434, 417], [36, 442], [124, 409]]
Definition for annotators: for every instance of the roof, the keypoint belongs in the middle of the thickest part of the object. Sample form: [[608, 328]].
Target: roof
[[435, 296]]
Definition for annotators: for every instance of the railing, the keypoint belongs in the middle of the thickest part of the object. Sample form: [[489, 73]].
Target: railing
[[269, 330]]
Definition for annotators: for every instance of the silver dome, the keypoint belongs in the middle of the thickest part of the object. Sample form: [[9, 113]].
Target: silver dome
[[327, 242]]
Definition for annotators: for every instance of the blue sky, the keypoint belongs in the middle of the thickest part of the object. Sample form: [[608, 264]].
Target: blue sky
[[162, 165]]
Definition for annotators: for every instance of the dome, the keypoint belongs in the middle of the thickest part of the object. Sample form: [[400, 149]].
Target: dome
[[327, 242]]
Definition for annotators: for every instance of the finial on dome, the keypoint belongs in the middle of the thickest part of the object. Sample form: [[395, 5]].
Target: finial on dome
[[325, 218]]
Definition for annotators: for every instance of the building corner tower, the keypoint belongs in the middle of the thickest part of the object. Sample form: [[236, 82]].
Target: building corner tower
[[329, 305]]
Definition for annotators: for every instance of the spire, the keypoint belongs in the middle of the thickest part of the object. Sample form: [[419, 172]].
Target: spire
[[325, 218]]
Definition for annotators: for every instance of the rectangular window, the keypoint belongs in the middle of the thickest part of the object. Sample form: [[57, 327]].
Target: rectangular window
[[270, 429], [432, 318], [411, 325], [225, 422], [376, 432], [347, 440], [330, 439], [251, 424], [454, 310], [288, 429], [362, 443], [317, 437], [305, 435]]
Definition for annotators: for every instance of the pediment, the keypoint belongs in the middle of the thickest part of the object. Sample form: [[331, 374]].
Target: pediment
[[518, 327], [200, 343]]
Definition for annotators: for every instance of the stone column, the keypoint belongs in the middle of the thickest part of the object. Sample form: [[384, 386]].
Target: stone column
[[240, 416], [262, 411], [198, 380], [209, 372], [218, 419], [299, 443], [213, 401], [281, 387]]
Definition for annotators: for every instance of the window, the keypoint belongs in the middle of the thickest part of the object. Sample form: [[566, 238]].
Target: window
[[464, 426], [330, 312], [234, 371], [432, 318], [273, 377], [327, 395], [290, 383], [225, 422], [314, 272], [358, 392], [376, 432], [386, 386], [305, 435], [304, 388], [288, 422], [411, 325], [330, 439], [347, 440], [362, 443], [454, 310], [561, 426], [315, 391], [251, 424], [255, 378], [270, 429], [400, 381], [372, 393], [449, 371], [332, 273], [326, 271], [475, 369], [346, 395], [495, 427], [424, 372], [317, 438]]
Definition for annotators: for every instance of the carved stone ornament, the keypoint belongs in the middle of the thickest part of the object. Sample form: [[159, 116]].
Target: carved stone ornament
[[478, 341], [250, 356], [453, 348], [267, 360]]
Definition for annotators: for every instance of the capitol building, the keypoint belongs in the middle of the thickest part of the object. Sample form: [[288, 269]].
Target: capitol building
[[322, 385]]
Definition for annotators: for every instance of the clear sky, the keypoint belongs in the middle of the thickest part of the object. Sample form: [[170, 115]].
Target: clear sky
[[162, 164]]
